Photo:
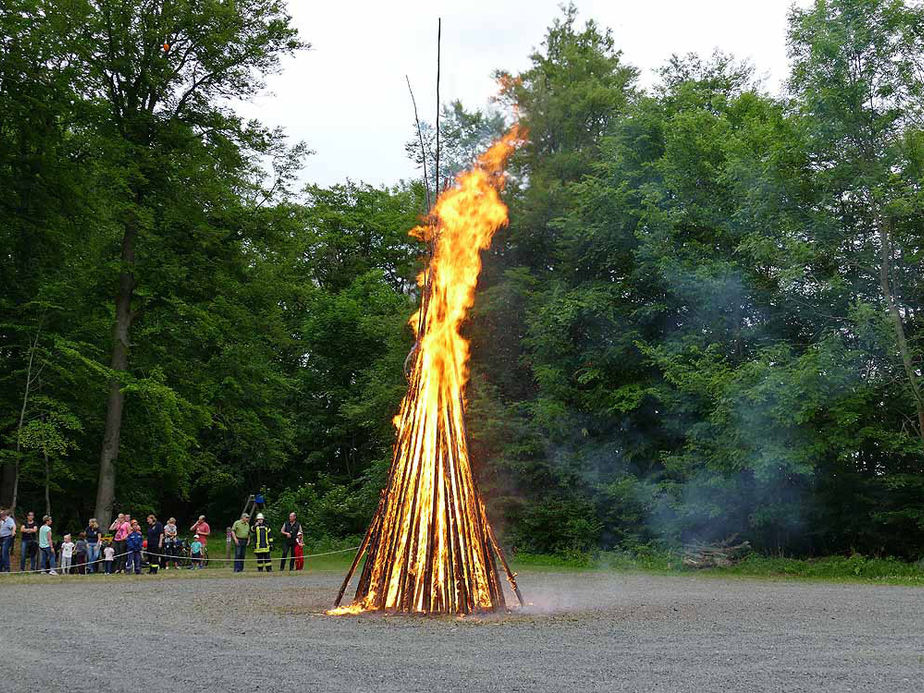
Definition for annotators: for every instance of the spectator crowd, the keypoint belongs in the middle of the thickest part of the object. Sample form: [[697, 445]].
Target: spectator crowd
[[127, 547]]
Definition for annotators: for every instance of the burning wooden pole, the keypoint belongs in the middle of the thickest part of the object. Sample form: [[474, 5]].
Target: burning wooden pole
[[429, 547]]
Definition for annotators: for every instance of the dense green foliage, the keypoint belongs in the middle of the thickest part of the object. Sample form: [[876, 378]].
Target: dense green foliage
[[704, 317], [714, 297]]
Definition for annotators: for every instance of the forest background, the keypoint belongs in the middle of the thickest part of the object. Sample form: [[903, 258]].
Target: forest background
[[705, 318]]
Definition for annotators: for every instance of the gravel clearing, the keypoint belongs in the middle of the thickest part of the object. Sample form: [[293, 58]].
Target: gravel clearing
[[586, 631]]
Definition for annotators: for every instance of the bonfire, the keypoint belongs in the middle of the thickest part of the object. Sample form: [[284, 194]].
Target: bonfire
[[430, 547]]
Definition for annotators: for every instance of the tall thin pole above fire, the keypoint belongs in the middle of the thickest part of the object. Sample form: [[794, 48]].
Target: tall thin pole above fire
[[430, 547]]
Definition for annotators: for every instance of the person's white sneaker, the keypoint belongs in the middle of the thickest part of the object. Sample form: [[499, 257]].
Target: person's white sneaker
[[51, 572]]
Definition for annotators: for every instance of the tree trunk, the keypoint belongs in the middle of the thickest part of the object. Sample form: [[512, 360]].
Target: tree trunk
[[47, 483], [105, 491], [885, 242], [10, 483]]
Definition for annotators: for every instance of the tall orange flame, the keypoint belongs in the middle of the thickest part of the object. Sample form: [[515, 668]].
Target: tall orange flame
[[430, 547]]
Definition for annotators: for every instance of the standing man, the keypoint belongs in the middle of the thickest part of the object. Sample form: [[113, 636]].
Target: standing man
[[29, 533], [240, 534], [155, 544], [7, 535], [290, 530], [201, 527]]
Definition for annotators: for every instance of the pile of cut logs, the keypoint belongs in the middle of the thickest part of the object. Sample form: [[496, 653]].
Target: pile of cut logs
[[725, 553]]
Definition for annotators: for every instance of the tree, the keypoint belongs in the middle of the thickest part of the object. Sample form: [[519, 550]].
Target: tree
[[49, 432], [359, 291], [463, 136], [154, 74], [857, 69], [566, 100], [576, 86], [39, 174], [30, 378]]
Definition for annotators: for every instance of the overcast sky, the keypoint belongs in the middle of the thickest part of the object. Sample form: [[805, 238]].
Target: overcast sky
[[347, 97]]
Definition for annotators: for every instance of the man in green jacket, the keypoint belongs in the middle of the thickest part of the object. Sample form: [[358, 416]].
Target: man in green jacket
[[240, 533]]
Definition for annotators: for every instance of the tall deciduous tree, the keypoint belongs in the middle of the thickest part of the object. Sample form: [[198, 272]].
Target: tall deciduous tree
[[857, 74], [155, 71], [40, 176], [576, 86]]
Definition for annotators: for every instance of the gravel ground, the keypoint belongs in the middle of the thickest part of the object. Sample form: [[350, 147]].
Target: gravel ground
[[585, 632]]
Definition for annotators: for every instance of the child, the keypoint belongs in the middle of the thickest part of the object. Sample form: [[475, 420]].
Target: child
[[195, 553], [133, 544], [299, 550], [81, 553], [108, 558], [67, 554]]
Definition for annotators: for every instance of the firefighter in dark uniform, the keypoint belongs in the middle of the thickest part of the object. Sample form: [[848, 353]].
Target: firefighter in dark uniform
[[263, 541]]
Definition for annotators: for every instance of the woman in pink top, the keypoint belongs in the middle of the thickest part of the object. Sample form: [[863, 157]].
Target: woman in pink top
[[118, 542]]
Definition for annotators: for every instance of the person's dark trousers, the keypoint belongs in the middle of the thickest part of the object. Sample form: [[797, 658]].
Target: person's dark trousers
[[133, 564], [240, 550], [29, 549], [6, 545], [80, 563], [108, 567], [286, 550], [264, 561], [153, 564], [120, 558]]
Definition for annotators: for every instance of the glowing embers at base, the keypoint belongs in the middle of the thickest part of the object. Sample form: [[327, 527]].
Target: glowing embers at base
[[429, 547]]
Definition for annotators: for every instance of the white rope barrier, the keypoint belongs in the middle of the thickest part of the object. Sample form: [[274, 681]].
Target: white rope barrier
[[176, 558], [58, 565], [232, 560]]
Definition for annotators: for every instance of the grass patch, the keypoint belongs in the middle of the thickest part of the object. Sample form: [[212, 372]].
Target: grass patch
[[855, 568]]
